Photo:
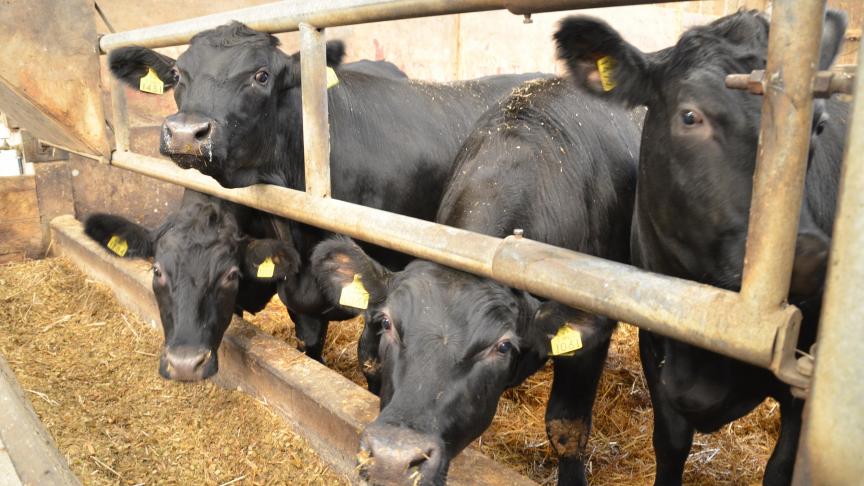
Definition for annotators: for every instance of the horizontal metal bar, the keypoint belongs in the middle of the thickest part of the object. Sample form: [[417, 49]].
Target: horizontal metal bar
[[712, 318], [287, 15], [825, 84], [326, 408]]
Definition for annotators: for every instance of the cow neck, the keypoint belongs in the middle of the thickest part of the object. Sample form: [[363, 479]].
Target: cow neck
[[285, 166]]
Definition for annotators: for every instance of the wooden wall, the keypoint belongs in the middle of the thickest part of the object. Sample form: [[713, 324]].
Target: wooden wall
[[20, 231]]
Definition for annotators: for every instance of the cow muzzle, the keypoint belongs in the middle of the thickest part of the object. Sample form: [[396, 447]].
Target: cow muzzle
[[187, 138], [188, 363], [391, 455]]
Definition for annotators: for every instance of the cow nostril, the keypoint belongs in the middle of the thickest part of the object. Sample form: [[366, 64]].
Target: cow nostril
[[200, 360], [201, 131], [419, 460]]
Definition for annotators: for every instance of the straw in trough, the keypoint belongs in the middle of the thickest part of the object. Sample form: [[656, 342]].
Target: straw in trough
[[90, 370], [619, 449]]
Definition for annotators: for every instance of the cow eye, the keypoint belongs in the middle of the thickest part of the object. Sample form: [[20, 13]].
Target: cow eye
[[158, 276], [504, 347], [690, 118], [820, 127], [262, 76], [231, 276], [175, 74], [386, 324]]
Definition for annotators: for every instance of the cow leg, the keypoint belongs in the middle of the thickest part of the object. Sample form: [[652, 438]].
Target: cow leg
[[568, 413], [673, 434], [782, 462], [311, 332]]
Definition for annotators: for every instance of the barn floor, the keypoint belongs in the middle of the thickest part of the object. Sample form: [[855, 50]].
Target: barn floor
[[620, 444], [90, 369]]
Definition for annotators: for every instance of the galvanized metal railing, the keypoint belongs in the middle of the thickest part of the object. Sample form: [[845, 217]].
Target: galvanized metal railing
[[756, 325]]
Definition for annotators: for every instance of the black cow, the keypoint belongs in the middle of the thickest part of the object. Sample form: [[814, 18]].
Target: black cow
[[440, 346], [692, 206], [206, 259], [239, 120]]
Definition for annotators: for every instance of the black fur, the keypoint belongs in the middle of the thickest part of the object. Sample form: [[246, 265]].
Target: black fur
[[392, 141], [696, 167], [193, 252], [547, 159], [102, 227]]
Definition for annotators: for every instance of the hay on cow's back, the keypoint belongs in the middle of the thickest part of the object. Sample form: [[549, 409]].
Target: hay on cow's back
[[89, 368]]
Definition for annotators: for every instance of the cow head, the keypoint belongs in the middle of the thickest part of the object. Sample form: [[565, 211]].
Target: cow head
[[202, 267], [439, 347], [231, 86], [699, 140]]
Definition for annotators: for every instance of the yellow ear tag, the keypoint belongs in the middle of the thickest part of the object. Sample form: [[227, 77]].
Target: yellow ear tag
[[566, 341], [118, 245], [332, 79], [266, 268], [150, 83], [355, 294], [605, 65]]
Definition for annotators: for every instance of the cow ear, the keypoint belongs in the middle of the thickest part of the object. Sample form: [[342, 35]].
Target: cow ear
[[269, 260], [833, 31], [811, 262], [602, 62], [119, 235], [345, 273], [335, 52], [130, 64], [563, 331]]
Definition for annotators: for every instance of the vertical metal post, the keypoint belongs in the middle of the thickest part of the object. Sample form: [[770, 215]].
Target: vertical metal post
[[830, 451], [316, 127], [784, 137], [119, 115]]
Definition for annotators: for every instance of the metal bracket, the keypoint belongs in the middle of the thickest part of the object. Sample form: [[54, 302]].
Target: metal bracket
[[35, 150], [825, 83], [785, 364]]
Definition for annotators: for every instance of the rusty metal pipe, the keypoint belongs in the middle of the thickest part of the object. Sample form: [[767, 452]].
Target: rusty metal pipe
[[833, 422], [784, 137], [712, 318], [316, 126], [119, 115], [286, 16], [825, 84]]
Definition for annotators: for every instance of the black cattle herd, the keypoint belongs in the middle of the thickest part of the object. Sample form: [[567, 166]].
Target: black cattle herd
[[559, 157]]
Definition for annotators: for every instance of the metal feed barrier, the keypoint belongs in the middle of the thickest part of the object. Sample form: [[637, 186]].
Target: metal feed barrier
[[754, 325]]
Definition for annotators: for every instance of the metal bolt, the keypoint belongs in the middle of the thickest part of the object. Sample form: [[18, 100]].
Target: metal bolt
[[518, 232], [753, 82], [527, 19], [827, 83]]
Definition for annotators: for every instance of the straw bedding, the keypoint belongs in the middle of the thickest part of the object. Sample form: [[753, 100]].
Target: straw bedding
[[620, 450], [90, 369]]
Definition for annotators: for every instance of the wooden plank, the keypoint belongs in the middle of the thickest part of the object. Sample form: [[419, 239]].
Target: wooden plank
[[17, 183], [21, 236], [18, 206], [20, 233], [31, 449], [8, 476], [54, 194], [12, 257]]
